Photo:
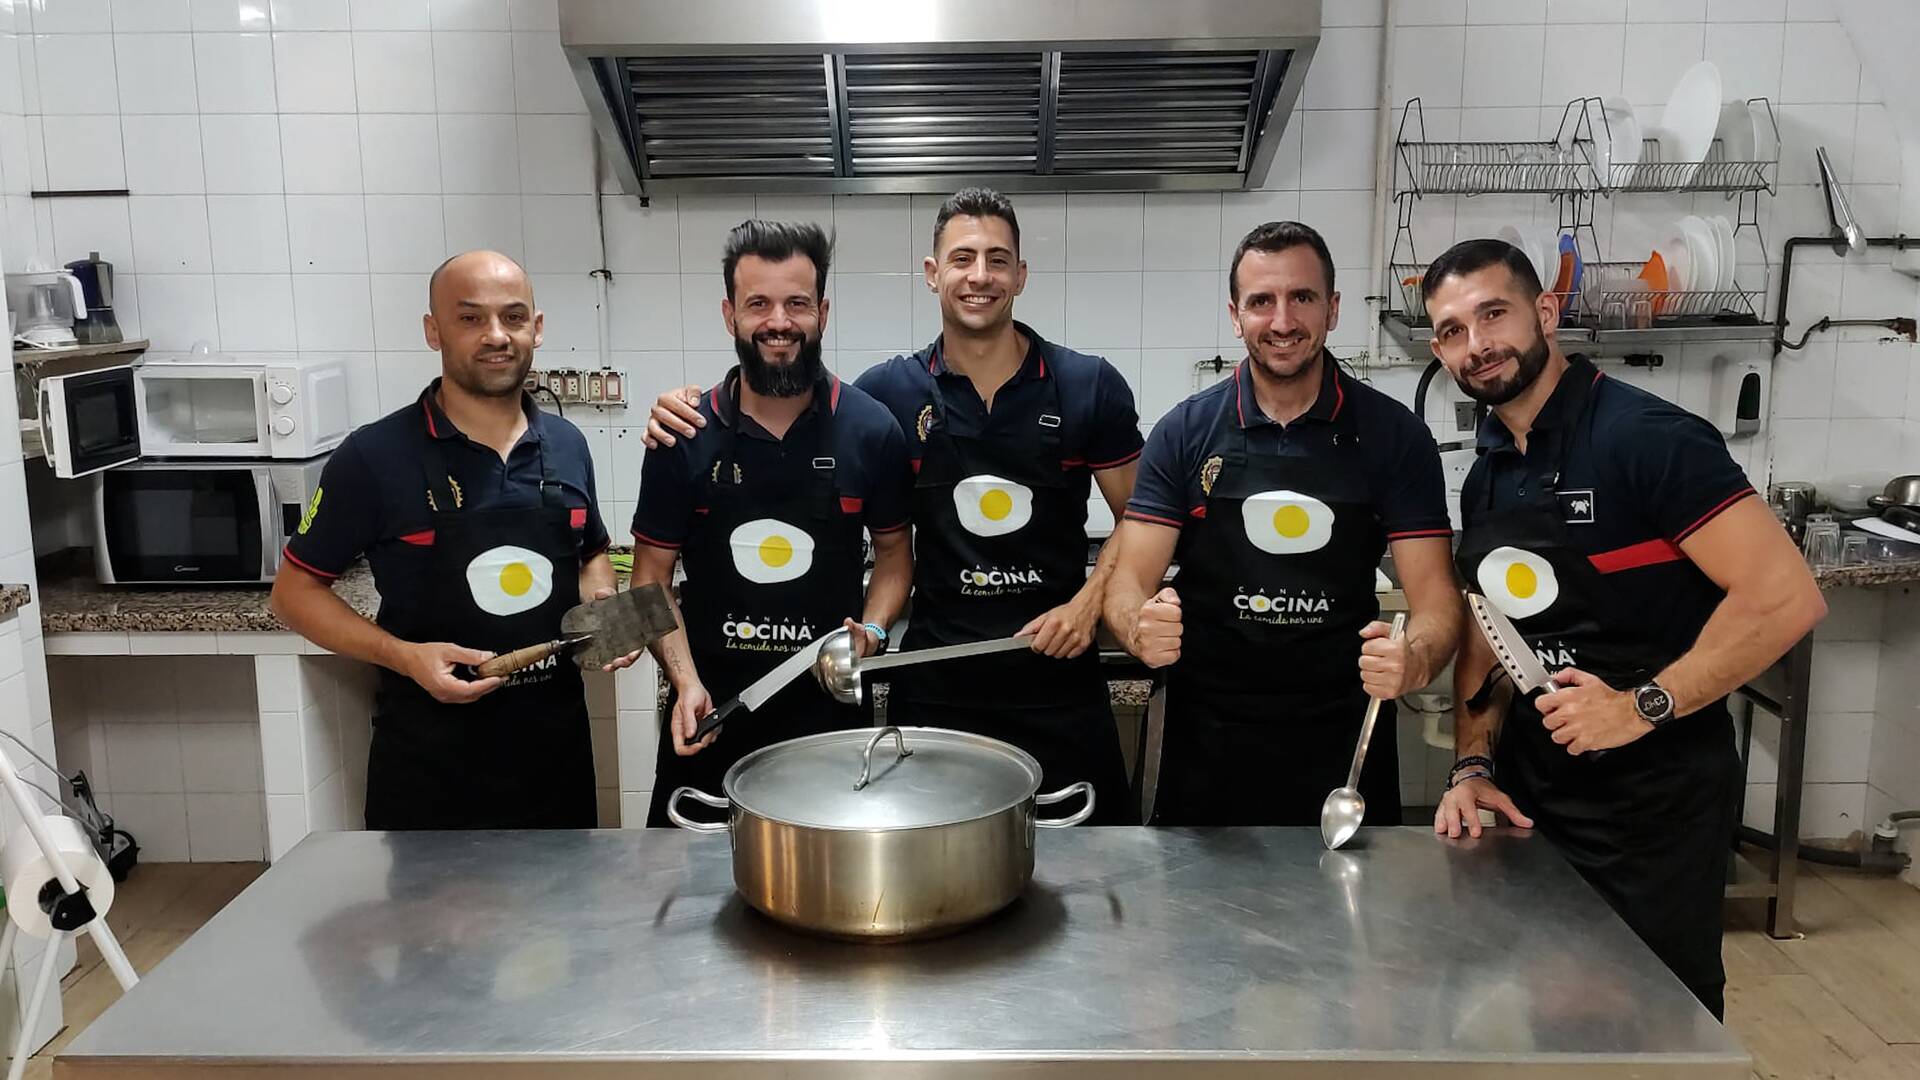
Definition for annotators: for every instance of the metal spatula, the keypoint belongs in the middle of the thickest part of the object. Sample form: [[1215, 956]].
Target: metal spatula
[[597, 632], [1345, 808]]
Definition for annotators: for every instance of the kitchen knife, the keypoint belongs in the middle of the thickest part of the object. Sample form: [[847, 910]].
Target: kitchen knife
[[1515, 655], [1512, 650], [762, 688]]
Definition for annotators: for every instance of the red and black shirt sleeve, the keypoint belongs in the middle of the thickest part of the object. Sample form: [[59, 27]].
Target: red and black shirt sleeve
[[1677, 469], [663, 515], [1166, 490], [1410, 488], [1113, 429], [344, 518]]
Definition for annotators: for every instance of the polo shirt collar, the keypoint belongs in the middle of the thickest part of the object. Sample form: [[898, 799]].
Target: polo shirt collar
[[1326, 406], [725, 398], [439, 426], [1033, 367], [1561, 410]]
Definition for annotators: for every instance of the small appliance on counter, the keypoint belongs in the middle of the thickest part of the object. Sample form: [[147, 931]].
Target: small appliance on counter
[[198, 522], [87, 420], [96, 326], [45, 303], [200, 406]]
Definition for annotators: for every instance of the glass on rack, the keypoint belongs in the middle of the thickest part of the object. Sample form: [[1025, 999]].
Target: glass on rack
[[1822, 544], [1853, 549]]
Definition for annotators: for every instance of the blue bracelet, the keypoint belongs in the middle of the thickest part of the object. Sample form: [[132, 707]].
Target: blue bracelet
[[879, 632]]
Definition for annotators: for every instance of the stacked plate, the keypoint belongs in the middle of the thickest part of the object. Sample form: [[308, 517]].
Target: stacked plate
[[1699, 254]]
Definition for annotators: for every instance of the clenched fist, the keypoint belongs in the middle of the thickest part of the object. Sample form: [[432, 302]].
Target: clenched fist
[[1156, 633]]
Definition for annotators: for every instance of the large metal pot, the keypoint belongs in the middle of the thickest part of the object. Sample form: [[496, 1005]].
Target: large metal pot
[[835, 835]]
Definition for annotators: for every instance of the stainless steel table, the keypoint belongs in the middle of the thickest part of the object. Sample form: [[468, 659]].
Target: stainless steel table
[[1138, 953]]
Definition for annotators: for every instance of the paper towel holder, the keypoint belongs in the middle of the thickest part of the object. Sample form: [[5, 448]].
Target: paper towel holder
[[70, 913]]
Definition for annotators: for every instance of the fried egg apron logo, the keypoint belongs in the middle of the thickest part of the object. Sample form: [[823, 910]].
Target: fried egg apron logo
[[508, 580], [1286, 522], [767, 551], [990, 506], [1520, 583]]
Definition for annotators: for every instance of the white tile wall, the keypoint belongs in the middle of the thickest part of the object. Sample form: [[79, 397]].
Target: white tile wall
[[346, 146]]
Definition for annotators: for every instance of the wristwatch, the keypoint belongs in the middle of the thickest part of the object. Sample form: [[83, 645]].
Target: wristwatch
[[1653, 703]]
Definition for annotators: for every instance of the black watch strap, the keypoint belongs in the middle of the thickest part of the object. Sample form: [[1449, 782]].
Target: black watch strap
[[1471, 761]]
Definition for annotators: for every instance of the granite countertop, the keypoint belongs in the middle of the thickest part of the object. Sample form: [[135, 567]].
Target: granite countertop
[[1873, 574], [13, 598], [71, 601]]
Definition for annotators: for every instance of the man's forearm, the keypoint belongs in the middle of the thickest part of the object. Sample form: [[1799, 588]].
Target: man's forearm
[[1750, 629], [1094, 591], [670, 650], [1121, 605], [595, 574], [314, 611], [890, 583], [1476, 726], [1432, 637]]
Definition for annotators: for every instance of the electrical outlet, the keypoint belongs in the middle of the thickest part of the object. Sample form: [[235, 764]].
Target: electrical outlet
[[599, 387]]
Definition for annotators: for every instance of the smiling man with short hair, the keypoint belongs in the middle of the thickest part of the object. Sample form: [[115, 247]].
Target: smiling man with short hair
[[1278, 491], [478, 515]]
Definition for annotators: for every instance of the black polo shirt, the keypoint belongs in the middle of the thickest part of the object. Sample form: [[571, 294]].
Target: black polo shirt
[[1397, 451], [871, 466], [372, 499], [1642, 474], [1099, 427]]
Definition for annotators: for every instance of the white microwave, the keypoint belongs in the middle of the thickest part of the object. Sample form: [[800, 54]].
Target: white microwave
[[88, 421], [287, 409], [207, 522]]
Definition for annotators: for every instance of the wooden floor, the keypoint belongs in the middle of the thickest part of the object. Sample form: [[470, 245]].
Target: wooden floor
[[1843, 1002]]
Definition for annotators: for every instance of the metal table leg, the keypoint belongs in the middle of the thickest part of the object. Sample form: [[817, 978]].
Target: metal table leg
[[1786, 807]]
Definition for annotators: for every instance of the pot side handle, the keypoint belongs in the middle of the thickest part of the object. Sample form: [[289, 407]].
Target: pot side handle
[[1062, 795], [674, 815]]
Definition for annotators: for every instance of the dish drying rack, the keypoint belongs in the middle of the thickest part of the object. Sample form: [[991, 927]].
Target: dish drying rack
[[1572, 170]]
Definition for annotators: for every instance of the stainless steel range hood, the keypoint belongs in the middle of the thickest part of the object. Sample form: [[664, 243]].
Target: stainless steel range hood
[[860, 96]]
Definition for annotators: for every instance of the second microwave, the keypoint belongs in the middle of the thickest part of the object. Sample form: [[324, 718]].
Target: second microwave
[[289, 409]]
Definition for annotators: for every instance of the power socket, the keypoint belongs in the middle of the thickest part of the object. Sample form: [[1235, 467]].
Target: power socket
[[581, 386]]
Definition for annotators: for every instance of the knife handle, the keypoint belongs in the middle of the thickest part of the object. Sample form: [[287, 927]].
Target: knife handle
[[518, 659], [711, 722]]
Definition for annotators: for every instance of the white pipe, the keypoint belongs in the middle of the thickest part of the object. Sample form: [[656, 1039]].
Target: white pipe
[[48, 961], [1382, 185]]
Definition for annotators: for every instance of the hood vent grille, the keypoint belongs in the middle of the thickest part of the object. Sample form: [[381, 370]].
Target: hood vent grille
[[825, 96]]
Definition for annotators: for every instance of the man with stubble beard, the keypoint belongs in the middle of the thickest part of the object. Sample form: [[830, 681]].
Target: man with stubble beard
[[476, 512], [1629, 550], [766, 514], [1278, 491]]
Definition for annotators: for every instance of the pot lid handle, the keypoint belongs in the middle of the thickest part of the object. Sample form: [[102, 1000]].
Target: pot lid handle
[[866, 756]]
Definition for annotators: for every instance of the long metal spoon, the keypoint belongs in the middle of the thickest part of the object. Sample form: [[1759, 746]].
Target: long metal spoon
[[1341, 814]]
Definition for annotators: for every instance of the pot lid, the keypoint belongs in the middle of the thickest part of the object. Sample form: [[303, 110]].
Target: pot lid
[[946, 777]]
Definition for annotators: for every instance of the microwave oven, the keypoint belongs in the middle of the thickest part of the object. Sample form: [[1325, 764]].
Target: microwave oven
[[88, 421], [207, 522], [286, 409]]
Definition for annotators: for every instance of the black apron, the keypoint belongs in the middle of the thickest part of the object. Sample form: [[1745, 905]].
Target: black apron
[[1276, 581], [1000, 537], [1647, 824], [772, 564], [522, 756]]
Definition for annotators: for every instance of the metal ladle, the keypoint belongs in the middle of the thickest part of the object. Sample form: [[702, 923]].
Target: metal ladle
[[838, 669], [1345, 808]]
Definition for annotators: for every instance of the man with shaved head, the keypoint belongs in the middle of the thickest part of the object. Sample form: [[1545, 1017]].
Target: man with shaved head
[[477, 514]]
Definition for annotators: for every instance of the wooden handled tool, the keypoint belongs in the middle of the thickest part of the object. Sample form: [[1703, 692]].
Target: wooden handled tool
[[519, 659]]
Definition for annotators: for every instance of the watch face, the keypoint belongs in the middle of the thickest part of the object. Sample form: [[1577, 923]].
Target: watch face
[[1653, 702]]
